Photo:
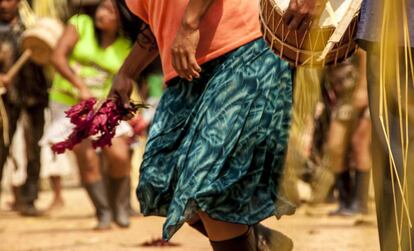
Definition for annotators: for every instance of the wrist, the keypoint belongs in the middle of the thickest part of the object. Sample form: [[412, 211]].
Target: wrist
[[190, 23]]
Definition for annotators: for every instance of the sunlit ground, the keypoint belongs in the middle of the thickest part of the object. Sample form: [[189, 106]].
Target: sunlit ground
[[69, 229]]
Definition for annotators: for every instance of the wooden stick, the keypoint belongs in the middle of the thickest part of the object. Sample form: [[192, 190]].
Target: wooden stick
[[18, 65], [5, 121], [331, 13]]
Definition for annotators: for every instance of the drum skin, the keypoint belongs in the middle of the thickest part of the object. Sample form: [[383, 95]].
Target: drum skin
[[304, 49], [42, 38]]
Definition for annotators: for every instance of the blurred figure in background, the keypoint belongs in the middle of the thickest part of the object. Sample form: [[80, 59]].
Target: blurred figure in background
[[26, 93], [88, 55], [332, 151], [54, 167], [346, 148]]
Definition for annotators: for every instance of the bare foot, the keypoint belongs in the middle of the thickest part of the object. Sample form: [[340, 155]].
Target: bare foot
[[56, 205], [13, 205]]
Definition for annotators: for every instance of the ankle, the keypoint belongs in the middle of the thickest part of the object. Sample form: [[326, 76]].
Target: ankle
[[244, 242], [229, 233]]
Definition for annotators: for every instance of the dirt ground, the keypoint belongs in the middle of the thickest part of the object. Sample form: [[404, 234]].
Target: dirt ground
[[70, 229]]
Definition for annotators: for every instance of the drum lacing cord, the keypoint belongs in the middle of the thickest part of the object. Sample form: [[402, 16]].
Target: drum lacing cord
[[310, 53], [313, 55]]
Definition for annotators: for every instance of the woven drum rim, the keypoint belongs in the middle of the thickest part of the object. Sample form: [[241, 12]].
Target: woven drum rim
[[281, 12], [311, 55], [307, 52]]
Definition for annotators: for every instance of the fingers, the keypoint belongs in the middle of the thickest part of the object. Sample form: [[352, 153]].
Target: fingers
[[299, 16], [296, 22], [125, 100], [124, 94], [305, 24], [121, 90], [194, 67], [176, 62], [288, 17], [294, 19], [123, 97], [185, 64]]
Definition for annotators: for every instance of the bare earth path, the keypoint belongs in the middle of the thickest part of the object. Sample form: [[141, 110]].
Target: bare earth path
[[69, 229]]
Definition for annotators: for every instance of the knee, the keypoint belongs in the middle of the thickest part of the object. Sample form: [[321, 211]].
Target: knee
[[334, 162], [88, 164], [119, 154], [89, 173]]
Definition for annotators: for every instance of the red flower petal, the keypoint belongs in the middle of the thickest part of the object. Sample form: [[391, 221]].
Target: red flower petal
[[90, 123]]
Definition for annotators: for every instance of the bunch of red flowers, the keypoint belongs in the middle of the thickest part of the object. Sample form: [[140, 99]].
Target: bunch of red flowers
[[93, 119]]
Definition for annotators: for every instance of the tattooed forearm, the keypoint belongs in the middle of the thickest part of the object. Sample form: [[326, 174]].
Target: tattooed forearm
[[146, 39]]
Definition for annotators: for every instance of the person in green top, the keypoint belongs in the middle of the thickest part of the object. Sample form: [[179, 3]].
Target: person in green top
[[88, 55]]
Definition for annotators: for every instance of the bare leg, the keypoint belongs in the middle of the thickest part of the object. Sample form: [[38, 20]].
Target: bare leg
[[118, 158], [333, 162], [14, 205], [88, 163], [220, 231], [227, 236], [361, 145], [266, 238], [57, 202]]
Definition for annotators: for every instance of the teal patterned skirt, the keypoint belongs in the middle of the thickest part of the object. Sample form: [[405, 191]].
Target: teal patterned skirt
[[218, 143]]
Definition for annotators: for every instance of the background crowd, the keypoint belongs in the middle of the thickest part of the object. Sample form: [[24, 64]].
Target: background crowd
[[330, 155]]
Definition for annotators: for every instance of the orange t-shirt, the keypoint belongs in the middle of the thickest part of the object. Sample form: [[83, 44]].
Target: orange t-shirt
[[227, 25]]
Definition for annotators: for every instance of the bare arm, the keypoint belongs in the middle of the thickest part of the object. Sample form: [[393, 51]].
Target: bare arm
[[141, 55], [362, 68], [195, 12], [60, 59], [361, 90], [187, 39]]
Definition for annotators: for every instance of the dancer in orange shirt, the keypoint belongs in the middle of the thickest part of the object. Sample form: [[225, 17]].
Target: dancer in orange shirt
[[216, 148]]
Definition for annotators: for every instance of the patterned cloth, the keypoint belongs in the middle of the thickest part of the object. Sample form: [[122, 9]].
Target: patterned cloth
[[218, 143]]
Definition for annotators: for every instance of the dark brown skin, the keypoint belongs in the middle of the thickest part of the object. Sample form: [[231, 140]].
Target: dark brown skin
[[8, 10], [301, 13], [186, 41], [138, 59], [106, 20], [8, 14], [183, 53]]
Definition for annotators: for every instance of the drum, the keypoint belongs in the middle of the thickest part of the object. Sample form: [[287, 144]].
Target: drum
[[42, 38], [329, 42], [38, 44]]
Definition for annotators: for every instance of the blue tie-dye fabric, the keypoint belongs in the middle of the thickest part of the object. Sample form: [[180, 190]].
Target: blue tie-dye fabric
[[218, 143]]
